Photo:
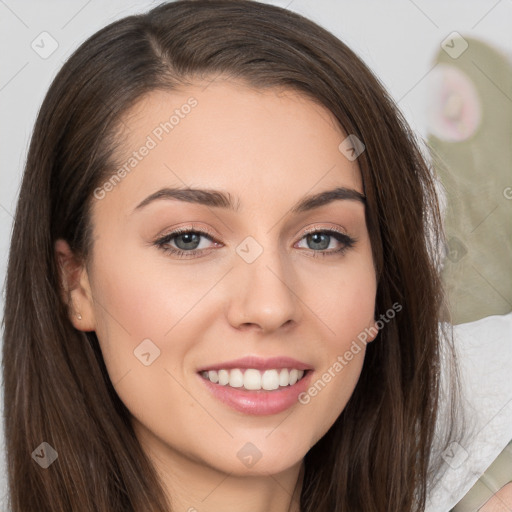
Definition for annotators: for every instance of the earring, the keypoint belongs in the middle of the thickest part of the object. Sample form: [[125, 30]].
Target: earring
[[79, 316]]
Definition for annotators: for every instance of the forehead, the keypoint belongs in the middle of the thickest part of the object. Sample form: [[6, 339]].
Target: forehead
[[225, 135]]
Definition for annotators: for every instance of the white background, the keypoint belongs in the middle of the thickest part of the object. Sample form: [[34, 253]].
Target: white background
[[398, 39]]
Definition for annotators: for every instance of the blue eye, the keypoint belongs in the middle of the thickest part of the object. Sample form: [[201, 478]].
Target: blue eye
[[320, 237], [187, 241]]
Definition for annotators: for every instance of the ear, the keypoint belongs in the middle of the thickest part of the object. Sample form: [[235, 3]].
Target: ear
[[75, 287]]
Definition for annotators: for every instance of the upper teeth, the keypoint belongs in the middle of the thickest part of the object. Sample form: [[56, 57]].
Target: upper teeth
[[252, 379]]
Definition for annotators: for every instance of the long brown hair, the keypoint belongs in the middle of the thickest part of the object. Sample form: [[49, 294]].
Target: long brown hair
[[378, 454]]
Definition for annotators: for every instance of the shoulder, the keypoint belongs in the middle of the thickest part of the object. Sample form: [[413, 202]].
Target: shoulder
[[492, 492]]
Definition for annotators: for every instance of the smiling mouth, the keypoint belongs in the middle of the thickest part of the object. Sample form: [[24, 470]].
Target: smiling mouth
[[251, 379]]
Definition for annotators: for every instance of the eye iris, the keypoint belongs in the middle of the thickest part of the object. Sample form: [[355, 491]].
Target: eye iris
[[315, 238], [189, 238]]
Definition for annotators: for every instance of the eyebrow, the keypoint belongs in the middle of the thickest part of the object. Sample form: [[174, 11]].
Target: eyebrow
[[218, 199]]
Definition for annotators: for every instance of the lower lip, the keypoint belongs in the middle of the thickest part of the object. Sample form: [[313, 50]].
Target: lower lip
[[260, 402]]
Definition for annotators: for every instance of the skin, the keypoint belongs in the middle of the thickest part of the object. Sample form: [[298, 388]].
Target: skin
[[500, 502], [268, 149]]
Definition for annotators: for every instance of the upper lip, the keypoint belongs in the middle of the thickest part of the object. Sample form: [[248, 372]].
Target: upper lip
[[258, 363]]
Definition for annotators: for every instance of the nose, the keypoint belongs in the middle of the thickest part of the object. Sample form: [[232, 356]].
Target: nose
[[262, 294]]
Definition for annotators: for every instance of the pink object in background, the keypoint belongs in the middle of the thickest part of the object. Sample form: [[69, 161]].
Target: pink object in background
[[454, 107]]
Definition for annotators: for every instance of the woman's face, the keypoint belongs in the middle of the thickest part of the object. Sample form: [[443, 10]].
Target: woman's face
[[256, 286]]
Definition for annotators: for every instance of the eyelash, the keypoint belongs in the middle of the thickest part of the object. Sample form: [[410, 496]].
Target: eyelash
[[162, 243]]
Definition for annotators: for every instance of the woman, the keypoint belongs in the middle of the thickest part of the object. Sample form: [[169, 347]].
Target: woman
[[223, 288]]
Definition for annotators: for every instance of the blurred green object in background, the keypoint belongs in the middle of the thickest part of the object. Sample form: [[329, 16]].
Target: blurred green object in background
[[470, 134]]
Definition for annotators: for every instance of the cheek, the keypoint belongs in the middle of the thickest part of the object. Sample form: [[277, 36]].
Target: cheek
[[139, 310], [139, 300], [143, 352], [333, 382], [347, 312], [330, 391], [344, 299]]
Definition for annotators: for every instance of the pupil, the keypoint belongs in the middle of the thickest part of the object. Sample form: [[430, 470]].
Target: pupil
[[188, 239], [316, 240]]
